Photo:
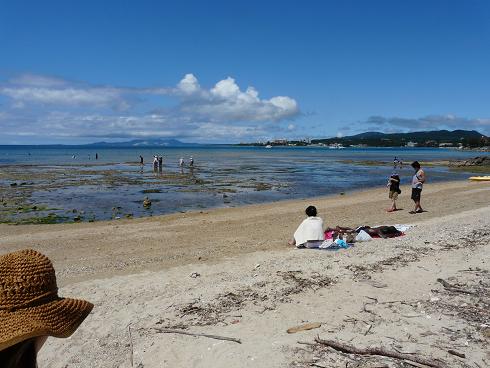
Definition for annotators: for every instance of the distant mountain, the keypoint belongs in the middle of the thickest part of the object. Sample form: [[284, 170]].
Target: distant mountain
[[154, 142], [422, 139]]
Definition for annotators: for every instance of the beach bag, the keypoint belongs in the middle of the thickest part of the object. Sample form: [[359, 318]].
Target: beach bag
[[363, 236], [341, 243]]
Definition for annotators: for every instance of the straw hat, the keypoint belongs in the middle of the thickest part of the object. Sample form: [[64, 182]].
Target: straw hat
[[29, 301]]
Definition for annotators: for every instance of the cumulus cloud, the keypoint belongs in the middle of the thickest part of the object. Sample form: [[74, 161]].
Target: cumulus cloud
[[226, 102], [189, 85], [56, 107]]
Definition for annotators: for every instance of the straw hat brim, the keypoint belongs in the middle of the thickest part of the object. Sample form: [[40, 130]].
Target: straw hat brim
[[58, 318]]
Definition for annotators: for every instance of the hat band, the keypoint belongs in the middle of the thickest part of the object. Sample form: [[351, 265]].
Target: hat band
[[37, 301]]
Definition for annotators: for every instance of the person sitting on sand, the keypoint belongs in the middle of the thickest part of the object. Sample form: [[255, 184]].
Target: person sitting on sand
[[394, 185], [418, 181], [30, 308], [309, 233]]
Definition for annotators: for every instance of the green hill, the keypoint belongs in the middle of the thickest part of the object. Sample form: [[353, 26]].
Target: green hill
[[468, 138]]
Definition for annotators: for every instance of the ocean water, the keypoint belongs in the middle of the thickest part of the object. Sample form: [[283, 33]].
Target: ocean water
[[69, 179]]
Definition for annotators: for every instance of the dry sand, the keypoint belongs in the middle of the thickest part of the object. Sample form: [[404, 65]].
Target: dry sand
[[251, 286]]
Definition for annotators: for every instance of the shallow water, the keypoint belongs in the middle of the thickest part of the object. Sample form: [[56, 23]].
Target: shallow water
[[115, 185]]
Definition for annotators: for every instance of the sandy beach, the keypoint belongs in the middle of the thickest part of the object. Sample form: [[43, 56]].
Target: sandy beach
[[230, 272]]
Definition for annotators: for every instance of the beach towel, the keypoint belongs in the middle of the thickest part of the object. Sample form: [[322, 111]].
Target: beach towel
[[310, 229], [402, 228]]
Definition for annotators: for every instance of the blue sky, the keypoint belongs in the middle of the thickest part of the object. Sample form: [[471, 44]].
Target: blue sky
[[230, 71]]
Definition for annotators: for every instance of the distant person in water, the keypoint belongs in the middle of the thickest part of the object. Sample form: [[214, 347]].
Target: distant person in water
[[181, 162], [191, 162], [160, 163], [418, 181], [96, 156], [309, 233], [155, 163], [394, 190], [397, 163], [141, 160]]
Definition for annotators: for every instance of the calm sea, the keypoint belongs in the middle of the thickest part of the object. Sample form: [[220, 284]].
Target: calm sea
[[223, 176]]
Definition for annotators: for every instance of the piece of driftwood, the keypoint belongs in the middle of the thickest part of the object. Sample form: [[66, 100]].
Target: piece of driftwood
[[368, 329], [131, 346], [305, 327], [413, 364], [457, 353], [181, 332], [378, 351], [453, 288]]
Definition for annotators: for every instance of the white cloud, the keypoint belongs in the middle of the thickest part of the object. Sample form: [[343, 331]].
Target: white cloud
[[63, 96], [227, 89], [189, 84], [49, 106], [226, 102]]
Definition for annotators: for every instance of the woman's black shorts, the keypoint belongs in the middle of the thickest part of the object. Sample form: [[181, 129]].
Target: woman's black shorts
[[416, 194]]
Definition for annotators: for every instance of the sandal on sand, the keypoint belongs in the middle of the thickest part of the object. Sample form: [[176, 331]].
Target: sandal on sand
[[419, 211]]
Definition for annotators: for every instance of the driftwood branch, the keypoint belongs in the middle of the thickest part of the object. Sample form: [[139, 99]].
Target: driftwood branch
[[453, 288], [181, 332], [457, 353], [378, 351], [131, 346]]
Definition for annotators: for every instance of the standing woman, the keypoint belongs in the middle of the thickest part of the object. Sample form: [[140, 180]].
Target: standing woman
[[418, 181], [30, 308]]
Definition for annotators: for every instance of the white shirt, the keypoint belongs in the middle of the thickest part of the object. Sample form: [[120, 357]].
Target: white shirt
[[310, 229], [415, 180]]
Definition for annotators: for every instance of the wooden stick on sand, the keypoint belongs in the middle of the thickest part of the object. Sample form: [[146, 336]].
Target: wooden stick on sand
[[453, 288], [378, 351], [130, 345], [181, 332]]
